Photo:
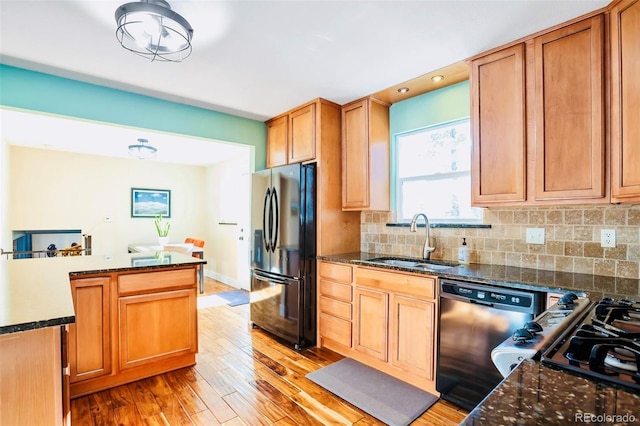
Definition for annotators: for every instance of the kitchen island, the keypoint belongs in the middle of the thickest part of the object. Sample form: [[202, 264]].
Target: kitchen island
[[95, 321]]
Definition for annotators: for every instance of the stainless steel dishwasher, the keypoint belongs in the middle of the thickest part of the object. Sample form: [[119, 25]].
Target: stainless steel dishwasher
[[474, 319]]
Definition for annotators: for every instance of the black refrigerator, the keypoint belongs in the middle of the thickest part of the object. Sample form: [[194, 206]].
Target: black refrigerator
[[283, 253]]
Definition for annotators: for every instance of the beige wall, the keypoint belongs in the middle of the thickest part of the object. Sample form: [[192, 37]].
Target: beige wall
[[572, 239], [62, 190]]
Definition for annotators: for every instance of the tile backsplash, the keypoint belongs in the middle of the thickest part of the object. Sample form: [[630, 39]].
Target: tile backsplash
[[572, 239]]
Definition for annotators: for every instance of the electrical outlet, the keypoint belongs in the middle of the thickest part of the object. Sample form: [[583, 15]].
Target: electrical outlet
[[535, 235], [608, 238]]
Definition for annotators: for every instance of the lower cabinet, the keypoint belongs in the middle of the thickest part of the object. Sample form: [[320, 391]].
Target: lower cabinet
[[131, 325], [371, 322], [156, 326], [384, 319], [89, 337]]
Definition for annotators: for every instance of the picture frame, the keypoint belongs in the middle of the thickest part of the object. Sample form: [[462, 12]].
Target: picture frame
[[147, 202]]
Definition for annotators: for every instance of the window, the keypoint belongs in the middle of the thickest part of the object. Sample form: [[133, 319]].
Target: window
[[433, 174]]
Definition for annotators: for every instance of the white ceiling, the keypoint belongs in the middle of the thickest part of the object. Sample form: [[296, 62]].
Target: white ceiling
[[257, 59]]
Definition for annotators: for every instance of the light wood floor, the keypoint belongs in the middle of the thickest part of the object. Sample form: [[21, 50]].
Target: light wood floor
[[242, 377]]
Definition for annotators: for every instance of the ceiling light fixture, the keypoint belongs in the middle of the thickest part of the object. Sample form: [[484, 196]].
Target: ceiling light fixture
[[142, 151], [403, 90], [150, 28], [437, 78]]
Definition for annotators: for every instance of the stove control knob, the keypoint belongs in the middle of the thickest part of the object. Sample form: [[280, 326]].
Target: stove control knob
[[567, 299], [522, 335], [533, 327]]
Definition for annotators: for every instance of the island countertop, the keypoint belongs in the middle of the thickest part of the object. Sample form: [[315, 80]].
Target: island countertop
[[36, 293]]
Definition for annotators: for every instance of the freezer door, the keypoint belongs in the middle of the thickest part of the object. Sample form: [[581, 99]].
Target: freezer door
[[275, 305], [261, 220]]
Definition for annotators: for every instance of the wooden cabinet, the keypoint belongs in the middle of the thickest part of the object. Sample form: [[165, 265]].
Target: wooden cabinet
[[131, 325], [365, 155], [569, 112], [302, 140], [499, 126], [625, 101], [411, 317], [277, 140], [31, 378], [157, 326], [89, 337], [384, 319], [371, 322], [334, 305], [538, 117], [312, 132]]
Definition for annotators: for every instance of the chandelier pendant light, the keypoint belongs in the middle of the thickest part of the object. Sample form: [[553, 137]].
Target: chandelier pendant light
[[142, 151], [150, 28]]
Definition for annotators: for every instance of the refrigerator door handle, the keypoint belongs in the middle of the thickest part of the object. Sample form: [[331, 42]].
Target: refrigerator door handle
[[267, 196], [277, 220]]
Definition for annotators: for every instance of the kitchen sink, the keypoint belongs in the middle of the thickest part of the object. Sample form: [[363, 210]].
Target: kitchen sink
[[425, 265]]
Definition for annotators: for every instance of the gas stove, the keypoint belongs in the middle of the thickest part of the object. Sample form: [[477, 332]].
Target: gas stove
[[603, 344], [535, 336]]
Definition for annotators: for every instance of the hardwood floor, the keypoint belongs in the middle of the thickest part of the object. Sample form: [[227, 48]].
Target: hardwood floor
[[242, 377]]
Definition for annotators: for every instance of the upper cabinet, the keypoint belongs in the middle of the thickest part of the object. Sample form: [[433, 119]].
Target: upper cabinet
[[625, 101], [292, 136], [569, 112], [538, 117], [499, 126], [277, 136], [365, 155]]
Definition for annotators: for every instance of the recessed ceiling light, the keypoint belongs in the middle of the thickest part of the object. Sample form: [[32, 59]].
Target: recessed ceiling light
[[437, 78], [403, 90]]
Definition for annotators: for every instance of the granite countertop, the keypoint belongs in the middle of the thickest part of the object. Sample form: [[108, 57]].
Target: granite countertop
[[594, 286], [534, 394], [36, 293]]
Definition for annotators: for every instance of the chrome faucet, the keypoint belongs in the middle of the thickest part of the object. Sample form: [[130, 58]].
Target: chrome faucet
[[428, 248]]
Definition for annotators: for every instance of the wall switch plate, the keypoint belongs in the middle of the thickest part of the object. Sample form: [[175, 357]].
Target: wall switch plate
[[535, 235], [608, 238], [108, 219]]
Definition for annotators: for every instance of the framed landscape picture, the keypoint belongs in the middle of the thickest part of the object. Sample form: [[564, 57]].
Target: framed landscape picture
[[150, 202]]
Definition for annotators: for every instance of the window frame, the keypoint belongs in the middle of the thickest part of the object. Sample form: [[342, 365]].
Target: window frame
[[397, 181]]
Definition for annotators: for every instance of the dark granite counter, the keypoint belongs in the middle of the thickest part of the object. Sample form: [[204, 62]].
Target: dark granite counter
[[36, 293], [594, 286], [534, 394]]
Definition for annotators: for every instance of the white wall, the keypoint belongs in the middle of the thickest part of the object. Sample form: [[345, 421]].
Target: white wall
[[62, 190]]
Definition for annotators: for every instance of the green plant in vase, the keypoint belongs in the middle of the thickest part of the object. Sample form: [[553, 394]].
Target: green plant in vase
[[162, 227]]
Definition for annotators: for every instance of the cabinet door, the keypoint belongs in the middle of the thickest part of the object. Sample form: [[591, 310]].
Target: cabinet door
[[412, 335], [371, 322], [157, 326], [569, 109], [277, 134], [89, 337], [355, 156], [625, 101], [499, 127], [302, 143]]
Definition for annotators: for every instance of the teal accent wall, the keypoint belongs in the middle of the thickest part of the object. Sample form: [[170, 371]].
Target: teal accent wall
[[35, 91], [446, 104]]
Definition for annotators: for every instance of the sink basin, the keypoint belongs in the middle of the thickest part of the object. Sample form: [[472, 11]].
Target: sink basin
[[428, 265]]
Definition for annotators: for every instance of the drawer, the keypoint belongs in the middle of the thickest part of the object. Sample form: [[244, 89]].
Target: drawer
[[335, 329], [148, 282], [336, 272], [335, 291], [416, 285], [335, 308]]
